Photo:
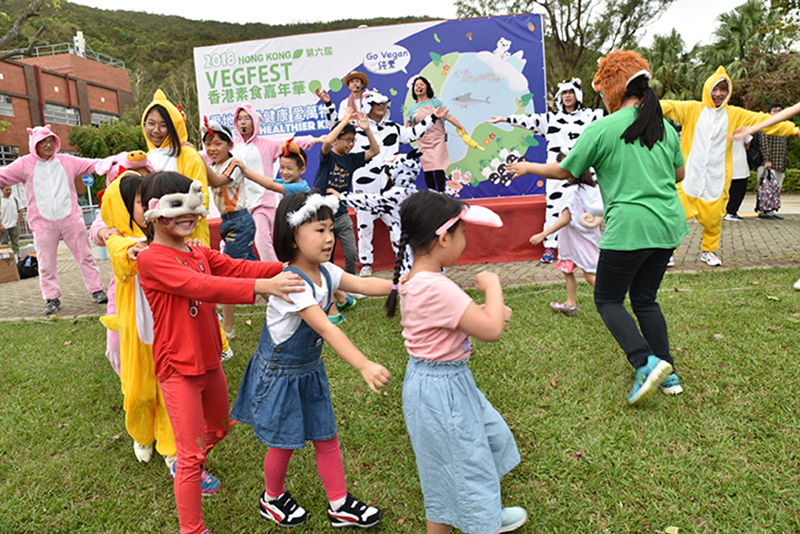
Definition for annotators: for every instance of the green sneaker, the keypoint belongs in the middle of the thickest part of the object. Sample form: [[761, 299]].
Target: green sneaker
[[349, 303], [648, 378], [336, 319]]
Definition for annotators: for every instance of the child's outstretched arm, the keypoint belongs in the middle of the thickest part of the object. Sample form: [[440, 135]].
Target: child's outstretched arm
[[558, 225], [263, 181], [375, 287], [486, 321], [376, 375], [280, 286], [374, 148], [545, 170]]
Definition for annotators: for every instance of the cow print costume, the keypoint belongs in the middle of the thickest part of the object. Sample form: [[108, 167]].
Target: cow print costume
[[402, 170], [561, 130], [371, 177]]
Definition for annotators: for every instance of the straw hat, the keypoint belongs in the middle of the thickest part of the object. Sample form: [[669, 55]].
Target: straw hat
[[355, 74]]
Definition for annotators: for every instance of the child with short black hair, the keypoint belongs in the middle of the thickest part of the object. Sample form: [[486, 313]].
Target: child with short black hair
[[284, 393], [336, 166], [238, 229], [181, 283], [461, 443]]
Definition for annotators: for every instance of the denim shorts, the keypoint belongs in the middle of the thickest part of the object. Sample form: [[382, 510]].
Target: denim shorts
[[238, 231]]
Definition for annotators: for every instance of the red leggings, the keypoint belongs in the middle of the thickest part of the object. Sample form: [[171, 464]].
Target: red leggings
[[198, 410], [329, 465]]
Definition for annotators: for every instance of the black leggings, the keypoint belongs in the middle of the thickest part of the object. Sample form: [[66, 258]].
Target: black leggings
[[737, 192], [435, 180], [638, 272]]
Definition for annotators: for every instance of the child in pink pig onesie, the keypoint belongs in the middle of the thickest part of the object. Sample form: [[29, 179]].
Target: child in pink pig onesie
[[259, 154], [53, 212], [113, 167]]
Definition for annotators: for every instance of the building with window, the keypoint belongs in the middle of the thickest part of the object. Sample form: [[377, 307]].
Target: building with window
[[62, 85]]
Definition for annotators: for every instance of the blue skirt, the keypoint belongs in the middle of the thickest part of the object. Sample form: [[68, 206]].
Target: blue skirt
[[286, 406], [462, 445]]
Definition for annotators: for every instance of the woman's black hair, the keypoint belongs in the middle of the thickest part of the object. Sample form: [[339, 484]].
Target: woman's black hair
[[128, 187], [283, 240], [172, 133], [421, 215], [648, 127], [158, 184], [429, 91], [300, 159]]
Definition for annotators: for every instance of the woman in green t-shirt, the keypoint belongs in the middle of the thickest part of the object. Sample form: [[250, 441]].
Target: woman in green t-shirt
[[637, 159]]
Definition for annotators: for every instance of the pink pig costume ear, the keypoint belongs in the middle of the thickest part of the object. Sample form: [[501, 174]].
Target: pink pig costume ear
[[475, 215], [177, 204]]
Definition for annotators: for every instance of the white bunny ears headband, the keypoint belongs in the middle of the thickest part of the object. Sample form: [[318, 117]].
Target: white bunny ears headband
[[176, 204], [311, 206]]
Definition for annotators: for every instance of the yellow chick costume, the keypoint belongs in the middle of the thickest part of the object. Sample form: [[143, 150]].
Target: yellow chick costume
[[145, 414], [709, 161], [188, 163]]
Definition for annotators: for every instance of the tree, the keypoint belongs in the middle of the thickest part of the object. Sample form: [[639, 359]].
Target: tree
[[579, 28], [674, 68], [14, 32], [742, 34], [110, 138]]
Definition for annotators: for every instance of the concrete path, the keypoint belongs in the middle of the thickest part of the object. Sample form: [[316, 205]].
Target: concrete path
[[748, 243]]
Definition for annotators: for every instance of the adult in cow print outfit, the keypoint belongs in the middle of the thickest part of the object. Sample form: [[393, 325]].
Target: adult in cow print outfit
[[402, 170], [371, 178], [560, 129]]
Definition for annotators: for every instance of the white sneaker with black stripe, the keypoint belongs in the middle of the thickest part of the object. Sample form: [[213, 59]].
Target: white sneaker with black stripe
[[284, 510], [354, 513]]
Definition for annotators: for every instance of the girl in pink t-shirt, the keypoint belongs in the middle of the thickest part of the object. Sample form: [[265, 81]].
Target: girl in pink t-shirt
[[461, 443]]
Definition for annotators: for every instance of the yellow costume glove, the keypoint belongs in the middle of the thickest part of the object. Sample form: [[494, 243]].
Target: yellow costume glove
[[470, 142]]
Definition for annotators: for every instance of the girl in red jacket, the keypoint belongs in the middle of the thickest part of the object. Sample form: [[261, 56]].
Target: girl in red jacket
[[182, 285]]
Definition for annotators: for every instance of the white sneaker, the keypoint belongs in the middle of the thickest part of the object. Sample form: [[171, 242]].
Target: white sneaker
[[710, 258], [797, 285], [511, 519], [169, 460], [143, 452], [366, 270], [671, 262], [227, 355]]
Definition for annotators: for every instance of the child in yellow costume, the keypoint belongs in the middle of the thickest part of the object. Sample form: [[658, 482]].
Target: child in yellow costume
[[164, 127], [709, 160], [165, 132], [145, 414]]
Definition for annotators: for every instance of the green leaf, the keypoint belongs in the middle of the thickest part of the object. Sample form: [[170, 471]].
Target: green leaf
[[436, 58], [297, 53], [436, 38]]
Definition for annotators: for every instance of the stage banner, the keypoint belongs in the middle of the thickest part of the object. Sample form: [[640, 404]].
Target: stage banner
[[478, 68]]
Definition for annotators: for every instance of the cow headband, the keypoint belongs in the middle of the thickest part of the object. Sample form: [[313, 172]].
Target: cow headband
[[177, 204], [312, 205]]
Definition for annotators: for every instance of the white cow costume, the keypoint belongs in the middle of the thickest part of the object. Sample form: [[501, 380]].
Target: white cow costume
[[561, 130], [371, 178], [402, 170], [53, 210]]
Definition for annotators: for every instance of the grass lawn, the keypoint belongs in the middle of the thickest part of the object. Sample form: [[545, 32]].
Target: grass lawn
[[722, 457]]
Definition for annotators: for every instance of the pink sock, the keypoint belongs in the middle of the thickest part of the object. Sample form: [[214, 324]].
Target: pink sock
[[331, 470], [276, 463]]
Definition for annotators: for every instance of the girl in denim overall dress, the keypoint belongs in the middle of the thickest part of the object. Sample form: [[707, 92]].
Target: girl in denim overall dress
[[284, 393]]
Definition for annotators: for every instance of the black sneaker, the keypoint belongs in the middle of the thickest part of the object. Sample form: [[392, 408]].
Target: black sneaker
[[354, 513], [52, 306], [284, 510], [99, 297]]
